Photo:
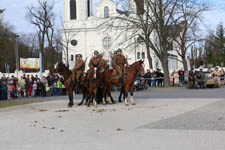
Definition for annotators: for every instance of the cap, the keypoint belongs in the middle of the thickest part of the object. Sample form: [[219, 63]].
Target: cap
[[96, 52], [119, 50], [79, 55], [100, 55]]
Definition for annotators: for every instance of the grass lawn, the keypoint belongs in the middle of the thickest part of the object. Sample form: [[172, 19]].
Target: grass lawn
[[9, 103]]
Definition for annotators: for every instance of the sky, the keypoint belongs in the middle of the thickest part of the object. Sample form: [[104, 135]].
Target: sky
[[16, 11]]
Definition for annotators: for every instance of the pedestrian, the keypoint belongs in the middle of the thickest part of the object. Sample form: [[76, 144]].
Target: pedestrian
[[148, 77], [9, 90], [3, 90], [59, 87], [176, 79], [30, 86], [34, 87], [21, 85], [55, 89]]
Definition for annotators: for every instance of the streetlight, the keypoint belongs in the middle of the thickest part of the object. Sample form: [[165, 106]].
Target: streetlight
[[17, 56]]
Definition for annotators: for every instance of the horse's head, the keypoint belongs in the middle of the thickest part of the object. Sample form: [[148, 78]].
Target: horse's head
[[60, 68], [138, 66], [141, 66]]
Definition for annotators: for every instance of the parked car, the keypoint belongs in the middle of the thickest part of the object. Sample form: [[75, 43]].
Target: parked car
[[210, 81]]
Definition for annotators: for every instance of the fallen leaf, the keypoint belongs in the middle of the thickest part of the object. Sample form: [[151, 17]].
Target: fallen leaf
[[221, 118], [43, 110], [118, 129], [62, 110]]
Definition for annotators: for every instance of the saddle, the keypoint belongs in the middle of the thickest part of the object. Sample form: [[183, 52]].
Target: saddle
[[115, 74]]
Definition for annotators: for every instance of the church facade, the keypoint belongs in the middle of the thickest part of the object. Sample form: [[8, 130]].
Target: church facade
[[83, 33]]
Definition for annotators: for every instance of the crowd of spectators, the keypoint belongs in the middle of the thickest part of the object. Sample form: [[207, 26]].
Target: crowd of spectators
[[178, 78], [151, 79], [31, 86]]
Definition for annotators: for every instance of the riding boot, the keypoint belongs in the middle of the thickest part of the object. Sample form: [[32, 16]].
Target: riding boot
[[121, 81], [73, 76]]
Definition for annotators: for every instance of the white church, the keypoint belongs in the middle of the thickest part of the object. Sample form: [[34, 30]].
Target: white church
[[83, 33]]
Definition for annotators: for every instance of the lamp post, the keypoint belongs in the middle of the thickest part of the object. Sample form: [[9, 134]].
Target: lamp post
[[17, 56]]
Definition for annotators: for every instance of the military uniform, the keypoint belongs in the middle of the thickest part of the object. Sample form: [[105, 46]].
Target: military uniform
[[94, 62], [118, 63], [78, 70], [102, 64]]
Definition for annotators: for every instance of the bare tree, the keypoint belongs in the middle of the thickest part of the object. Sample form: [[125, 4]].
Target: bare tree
[[1, 11], [67, 36], [185, 32], [42, 17], [152, 21]]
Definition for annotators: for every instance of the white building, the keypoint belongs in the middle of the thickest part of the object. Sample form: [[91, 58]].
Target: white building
[[84, 33]]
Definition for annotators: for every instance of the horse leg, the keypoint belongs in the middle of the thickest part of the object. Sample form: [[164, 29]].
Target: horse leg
[[83, 98], [94, 97], [121, 92], [89, 100], [126, 89], [103, 95], [131, 95], [70, 104], [109, 94], [112, 99]]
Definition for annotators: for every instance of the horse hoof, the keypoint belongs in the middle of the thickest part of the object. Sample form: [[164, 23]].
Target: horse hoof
[[133, 104], [79, 104], [126, 104], [120, 101], [70, 105]]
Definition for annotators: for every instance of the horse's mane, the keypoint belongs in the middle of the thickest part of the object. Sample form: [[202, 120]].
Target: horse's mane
[[66, 68], [135, 63]]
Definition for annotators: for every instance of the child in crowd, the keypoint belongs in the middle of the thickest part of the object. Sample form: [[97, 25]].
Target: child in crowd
[[9, 90], [35, 88]]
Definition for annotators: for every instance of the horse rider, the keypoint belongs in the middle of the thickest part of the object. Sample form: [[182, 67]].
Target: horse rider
[[102, 66], [119, 62], [94, 62], [78, 69]]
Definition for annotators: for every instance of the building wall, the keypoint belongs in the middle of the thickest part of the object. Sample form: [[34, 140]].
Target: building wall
[[90, 34]]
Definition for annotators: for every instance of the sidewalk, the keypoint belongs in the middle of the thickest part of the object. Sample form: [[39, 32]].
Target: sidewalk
[[52, 126]]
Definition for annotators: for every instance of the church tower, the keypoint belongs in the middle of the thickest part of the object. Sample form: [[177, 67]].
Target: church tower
[[77, 9]]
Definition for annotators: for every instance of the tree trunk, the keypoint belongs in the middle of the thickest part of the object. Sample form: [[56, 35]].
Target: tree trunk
[[67, 56], [184, 61], [149, 57], [164, 62]]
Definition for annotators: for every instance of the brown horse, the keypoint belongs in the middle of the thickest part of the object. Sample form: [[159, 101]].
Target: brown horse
[[128, 81], [69, 84], [93, 84]]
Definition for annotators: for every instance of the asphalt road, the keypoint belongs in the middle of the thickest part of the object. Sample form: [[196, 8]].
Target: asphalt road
[[157, 93], [163, 119]]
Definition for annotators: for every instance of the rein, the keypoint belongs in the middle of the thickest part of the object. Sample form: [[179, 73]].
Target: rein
[[64, 74]]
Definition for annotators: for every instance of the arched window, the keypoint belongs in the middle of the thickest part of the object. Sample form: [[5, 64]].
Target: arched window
[[88, 8], [143, 55], [106, 12], [73, 9], [138, 55], [71, 58], [107, 42]]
